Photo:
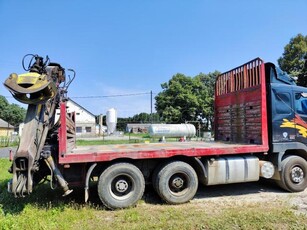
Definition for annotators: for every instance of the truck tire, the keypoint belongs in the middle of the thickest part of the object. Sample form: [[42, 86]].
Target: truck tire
[[121, 185], [175, 182], [293, 175]]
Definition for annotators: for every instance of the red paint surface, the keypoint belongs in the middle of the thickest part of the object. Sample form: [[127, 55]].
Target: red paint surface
[[62, 130], [155, 150], [241, 106]]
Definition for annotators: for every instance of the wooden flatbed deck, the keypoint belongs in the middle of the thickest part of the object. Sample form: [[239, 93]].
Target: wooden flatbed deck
[[98, 153]]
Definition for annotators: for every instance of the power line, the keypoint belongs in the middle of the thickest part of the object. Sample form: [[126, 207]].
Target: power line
[[115, 95], [103, 96]]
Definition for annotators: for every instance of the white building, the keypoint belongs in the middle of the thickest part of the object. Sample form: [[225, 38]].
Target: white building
[[85, 120]]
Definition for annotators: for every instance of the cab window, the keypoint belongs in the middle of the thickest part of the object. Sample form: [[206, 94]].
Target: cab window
[[283, 104], [300, 104]]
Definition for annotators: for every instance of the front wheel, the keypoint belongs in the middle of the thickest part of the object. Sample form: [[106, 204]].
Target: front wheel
[[176, 182], [121, 185], [293, 175]]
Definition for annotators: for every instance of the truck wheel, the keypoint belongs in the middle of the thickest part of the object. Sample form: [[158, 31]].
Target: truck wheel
[[121, 185], [293, 174], [176, 182]]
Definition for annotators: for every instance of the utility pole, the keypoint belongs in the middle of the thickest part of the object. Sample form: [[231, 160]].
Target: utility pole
[[151, 106], [100, 124]]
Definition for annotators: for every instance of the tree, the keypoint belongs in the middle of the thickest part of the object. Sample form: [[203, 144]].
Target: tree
[[292, 60], [186, 99], [145, 118], [15, 114], [3, 105], [138, 118], [305, 67], [207, 97], [12, 113]]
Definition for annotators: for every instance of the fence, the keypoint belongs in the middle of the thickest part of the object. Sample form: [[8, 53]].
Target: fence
[[9, 141]]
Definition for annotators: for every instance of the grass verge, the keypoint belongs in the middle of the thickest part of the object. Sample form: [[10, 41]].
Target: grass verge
[[103, 142], [135, 138]]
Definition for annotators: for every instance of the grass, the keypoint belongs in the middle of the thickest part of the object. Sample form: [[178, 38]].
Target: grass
[[103, 142], [8, 142], [139, 135], [47, 209], [135, 138]]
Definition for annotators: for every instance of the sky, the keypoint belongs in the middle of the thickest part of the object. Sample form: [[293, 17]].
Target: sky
[[121, 50]]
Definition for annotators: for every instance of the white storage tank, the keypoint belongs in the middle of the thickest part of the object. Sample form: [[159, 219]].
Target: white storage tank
[[172, 130], [111, 117]]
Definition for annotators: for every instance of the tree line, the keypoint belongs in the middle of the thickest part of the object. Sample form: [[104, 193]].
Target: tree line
[[293, 60], [185, 99], [11, 113]]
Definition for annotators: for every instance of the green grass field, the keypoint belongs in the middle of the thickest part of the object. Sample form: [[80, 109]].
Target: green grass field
[[47, 209], [133, 139]]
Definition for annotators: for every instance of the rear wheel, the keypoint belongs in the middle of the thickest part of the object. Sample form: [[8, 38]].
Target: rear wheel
[[293, 175], [176, 182], [121, 185]]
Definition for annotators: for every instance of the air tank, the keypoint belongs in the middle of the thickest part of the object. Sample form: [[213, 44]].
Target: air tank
[[172, 130], [111, 118]]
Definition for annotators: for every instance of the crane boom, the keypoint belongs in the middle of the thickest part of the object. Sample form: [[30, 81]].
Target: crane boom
[[41, 88]]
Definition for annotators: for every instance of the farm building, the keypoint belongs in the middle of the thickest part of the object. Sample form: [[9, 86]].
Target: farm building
[[137, 128], [85, 120], [5, 128]]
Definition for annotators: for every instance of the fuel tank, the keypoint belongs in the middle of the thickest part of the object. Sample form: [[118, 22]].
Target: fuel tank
[[232, 169]]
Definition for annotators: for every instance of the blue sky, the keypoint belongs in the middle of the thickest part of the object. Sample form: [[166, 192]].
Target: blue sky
[[127, 47]]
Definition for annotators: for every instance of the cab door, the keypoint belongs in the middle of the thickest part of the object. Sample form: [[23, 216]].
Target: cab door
[[283, 129], [300, 120]]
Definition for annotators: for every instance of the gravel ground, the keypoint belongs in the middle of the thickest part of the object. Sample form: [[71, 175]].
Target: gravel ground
[[4, 152], [248, 193]]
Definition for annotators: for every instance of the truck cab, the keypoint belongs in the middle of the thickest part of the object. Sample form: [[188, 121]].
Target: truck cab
[[287, 111], [287, 128]]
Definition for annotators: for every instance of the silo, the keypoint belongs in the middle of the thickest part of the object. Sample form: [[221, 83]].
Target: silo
[[111, 117]]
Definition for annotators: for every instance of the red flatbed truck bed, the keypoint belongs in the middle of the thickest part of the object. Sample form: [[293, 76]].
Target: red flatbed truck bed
[[82, 154], [240, 124]]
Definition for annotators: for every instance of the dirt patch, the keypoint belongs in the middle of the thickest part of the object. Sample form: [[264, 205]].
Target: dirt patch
[[299, 202], [250, 193]]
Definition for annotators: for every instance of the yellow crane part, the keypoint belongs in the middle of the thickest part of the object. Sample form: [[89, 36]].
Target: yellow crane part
[[31, 88]]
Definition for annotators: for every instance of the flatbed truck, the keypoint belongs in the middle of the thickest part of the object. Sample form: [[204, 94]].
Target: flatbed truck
[[260, 131]]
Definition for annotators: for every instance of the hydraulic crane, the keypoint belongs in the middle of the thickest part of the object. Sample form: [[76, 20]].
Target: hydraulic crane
[[43, 87]]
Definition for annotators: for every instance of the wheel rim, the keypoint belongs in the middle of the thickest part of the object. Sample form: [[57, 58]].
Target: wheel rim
[[297, 175], [178, 183], [122, 187]]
